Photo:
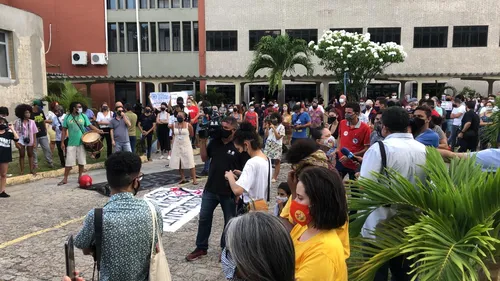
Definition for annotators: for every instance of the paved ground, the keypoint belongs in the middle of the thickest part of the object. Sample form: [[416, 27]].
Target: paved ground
[[39, 216]]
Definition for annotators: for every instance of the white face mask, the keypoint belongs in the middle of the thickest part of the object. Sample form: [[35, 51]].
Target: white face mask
[[330, 142], [394, 97], [489, 108], [251, 109], [80, 110], [341, 100], [230, 110], [282, 199], [426, 97]]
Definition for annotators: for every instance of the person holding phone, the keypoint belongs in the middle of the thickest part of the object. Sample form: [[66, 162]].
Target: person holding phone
[[7, 135]]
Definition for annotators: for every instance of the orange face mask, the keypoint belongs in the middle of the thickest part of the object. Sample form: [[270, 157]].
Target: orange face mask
[[300, 213]]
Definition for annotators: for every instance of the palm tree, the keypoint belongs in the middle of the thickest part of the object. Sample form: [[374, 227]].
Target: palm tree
[[279, 55], [66, 94], [448, 226]]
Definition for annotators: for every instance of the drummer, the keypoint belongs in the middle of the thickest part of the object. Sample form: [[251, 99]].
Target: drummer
[[75, 123]]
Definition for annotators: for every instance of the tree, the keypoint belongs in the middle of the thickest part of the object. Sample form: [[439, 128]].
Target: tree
[[279, 56], [448, 225], [65, 94], [343, 52]]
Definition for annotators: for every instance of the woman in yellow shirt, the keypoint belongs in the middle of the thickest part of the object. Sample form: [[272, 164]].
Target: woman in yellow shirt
[[319, 209]]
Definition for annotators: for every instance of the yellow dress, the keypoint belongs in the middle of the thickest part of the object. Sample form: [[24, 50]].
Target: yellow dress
[[342, 232], [321, 257]]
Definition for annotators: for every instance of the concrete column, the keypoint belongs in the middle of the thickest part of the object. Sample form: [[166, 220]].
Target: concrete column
[[157, 86], [490, 87], [318, 89], [419, 89], [326, 92], [170, 87], [237, 92], [402, 90]]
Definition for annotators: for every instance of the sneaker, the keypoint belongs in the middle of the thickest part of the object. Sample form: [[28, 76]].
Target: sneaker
[[196, 254], [273, 180], [168, 157], [161, 157], [157, 152], [5, 195]]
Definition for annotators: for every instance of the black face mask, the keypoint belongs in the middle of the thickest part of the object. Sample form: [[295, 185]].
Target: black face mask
[[137, 189], [181, 104], [332, 119], [315, 106], [148, 111], [417, 124], [3, 126], [163, 109], [180, 119], [225, 133]]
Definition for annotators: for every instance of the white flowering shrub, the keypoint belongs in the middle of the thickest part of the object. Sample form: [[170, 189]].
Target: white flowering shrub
[[362, 59]]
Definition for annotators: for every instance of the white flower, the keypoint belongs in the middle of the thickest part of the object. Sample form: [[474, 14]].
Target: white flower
[[349, 56], [316, 47], [381, 60], [345, 62], [311, 43]]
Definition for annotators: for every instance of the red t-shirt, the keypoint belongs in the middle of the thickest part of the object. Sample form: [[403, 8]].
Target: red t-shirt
[[353, 138], [340, 111], [251, 117], [193, 111], [435, 113]]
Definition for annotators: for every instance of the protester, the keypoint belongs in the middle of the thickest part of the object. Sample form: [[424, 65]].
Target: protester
[[4, 112], [283, 193], [468, 134], [485, 120], [90, 114], [147, 125], [7, 135], [132, 130], [403, 155], [376, 134], [57, 121], [316, 115], [333, 123], [340, 107], [182, 151], [380, 104], [119, 131], [252, 117], [224, 157], [41, 137], [456, 114], [127, 228], [259, 248], [325, 142], [74, 127], [287, 122], [103, 119], [354, 135], [319, 208], [300, 123], [51, 133], [488, 159], [194, 113], [236, 113], [162, 122], [255, 179], [420, 127], [274, 134], [26, 130]]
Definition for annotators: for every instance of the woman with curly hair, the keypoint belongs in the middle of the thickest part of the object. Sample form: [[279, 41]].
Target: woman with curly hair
[[26, 130]]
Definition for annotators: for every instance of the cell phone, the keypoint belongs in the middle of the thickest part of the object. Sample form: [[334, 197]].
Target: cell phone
[[69, 250]]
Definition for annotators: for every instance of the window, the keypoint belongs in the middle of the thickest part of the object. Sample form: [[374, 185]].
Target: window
[[111, 4], [112, 38], [306, 34], [144, 37], [195, 3], [351, 30], [470, 36], [163, 4], [195, 36], [152, 4], [255, 36], [120, 4], [430, 37], [176, 3], [153, 37], [186, 3], [131, 37], [4, 55], [176, 36], [385, 34], [143, 4], [121, 28], [164, 36], [222, 40], [130, 4], [186, 36]]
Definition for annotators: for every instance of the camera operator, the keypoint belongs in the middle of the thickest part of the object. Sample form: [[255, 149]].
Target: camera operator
[[225, 157]]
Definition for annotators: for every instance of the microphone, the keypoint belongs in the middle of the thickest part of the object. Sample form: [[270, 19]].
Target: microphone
[[348, 153]]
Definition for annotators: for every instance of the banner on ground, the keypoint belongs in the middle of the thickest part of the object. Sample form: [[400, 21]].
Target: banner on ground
[[178, 206]]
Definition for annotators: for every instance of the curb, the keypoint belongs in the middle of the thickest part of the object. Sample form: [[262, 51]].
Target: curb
[[56, 173]]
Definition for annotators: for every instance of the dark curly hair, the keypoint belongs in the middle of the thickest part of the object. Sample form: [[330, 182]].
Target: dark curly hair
[[21, 109], [300, 150], [327, 197], [277, 116], [121, 168], [4, 110], [247, 132]]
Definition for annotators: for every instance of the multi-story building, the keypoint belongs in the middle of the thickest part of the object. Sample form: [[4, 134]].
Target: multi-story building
[[186, 44]]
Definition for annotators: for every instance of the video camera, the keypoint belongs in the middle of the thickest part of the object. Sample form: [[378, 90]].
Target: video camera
[[211, 129]]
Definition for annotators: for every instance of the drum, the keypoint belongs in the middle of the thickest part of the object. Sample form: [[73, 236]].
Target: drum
[[92, 142]]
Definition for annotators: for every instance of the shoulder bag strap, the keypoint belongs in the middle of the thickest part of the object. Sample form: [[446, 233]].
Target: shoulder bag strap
[[98, 214], [153, 218], [269, 180], [81, 129], [383, 155]]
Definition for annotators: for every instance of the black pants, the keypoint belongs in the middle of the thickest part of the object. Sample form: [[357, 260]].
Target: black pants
[[109, 144], [163, 137], [467, 144], [399, 266], [61, 153], [149, 142], [193, 139]]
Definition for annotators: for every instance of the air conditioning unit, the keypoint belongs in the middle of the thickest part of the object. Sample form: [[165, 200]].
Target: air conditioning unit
[[98, 58], [79, 58]]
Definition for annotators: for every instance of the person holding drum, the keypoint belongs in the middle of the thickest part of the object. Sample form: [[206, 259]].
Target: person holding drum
[[103, 119], [75, 123]]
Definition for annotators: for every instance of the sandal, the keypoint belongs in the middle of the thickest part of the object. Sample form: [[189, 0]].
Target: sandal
[[183, 182], [195, 183], [61, 183]]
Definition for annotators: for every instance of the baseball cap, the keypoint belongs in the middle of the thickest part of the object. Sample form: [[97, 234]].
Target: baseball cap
[[38, 102]]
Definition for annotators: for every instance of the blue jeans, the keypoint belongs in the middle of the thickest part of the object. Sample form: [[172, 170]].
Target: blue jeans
[[209, 202], [452, 141], [133, 141], [122, 146]]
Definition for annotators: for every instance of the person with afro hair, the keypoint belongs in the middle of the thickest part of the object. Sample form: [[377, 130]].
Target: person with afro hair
[[26, 130]]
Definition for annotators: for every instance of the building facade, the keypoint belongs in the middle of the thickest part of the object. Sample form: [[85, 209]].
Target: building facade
[[199, 44], [22, 60]]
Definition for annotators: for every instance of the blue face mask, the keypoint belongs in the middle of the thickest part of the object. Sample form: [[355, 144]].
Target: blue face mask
[[228, 266]]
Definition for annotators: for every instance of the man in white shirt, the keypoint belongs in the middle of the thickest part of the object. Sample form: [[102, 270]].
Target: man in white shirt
[[404, 155], [456, 114]]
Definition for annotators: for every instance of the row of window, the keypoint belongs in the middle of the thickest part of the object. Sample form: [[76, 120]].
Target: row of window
[[151, 4], [6, 55], [154, 36]]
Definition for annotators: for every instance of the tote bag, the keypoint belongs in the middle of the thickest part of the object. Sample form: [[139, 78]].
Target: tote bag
[[158, 265]]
